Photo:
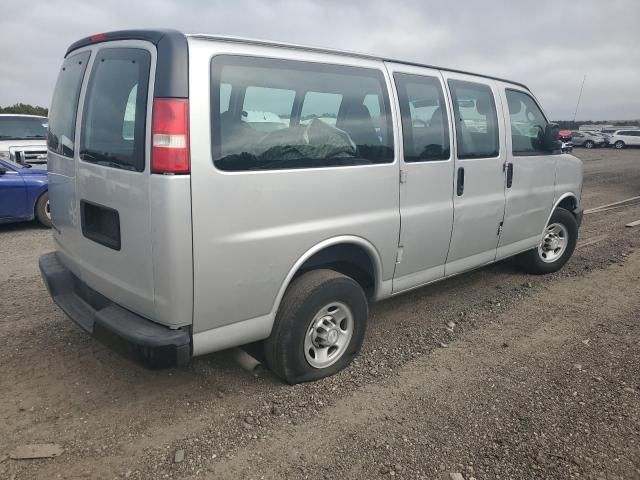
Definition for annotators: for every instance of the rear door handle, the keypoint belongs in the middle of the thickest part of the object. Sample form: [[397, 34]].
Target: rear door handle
[[460, 182], [509, 174]]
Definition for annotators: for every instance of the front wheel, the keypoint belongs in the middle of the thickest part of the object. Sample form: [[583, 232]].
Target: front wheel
[[319, 327], [589, 144], [557, 245], [43, 211], [619, 144]]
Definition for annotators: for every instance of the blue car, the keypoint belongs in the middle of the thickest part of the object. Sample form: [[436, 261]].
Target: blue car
[[23, 193]]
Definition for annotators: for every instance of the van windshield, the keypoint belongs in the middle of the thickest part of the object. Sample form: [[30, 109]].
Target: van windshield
[[22, 128]]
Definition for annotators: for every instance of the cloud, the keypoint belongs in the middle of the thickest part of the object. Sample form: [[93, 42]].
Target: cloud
[[548, 45]]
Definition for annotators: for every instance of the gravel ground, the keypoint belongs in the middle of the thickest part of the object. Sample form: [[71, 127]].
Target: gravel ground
[[539, 378]]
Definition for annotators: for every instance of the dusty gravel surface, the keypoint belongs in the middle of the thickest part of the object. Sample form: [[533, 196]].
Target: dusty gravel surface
[[540, 378]]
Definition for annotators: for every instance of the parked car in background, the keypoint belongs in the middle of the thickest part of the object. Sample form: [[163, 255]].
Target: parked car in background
[[587, 139], [23, 193], [23, 139], [565, 140], [625, 138]]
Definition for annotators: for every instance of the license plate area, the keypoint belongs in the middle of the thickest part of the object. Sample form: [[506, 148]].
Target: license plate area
[[100, 224]]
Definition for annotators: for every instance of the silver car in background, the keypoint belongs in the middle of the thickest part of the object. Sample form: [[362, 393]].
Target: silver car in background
[[209, 192], [588, 139]]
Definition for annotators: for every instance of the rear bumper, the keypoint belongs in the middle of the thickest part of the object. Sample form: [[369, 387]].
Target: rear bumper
[[142, 340]]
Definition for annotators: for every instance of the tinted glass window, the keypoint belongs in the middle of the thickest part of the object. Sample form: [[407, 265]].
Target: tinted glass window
[[289, 114], [225, 97], [476, 119], [64, 106], [527, 124], [115, 106], [267, 109], [323, 106], [425, 128], [22, 128]]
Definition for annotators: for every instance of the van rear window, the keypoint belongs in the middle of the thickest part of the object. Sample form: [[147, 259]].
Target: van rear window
[[64, 106], [270, 114], [115, 109]]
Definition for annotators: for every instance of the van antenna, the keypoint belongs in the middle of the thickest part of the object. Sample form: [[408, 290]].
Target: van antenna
[[575, 114]]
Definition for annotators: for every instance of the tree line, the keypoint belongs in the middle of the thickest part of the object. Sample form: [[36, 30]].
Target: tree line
[[571, 125], [25, 109]]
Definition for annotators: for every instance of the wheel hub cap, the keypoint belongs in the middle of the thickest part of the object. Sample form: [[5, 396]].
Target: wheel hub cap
[[554, 243], [328, 335]]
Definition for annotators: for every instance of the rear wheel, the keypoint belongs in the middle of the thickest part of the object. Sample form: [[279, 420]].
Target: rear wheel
[[557, 245], [43, 211], [589, 144], [619, 144], [319, 327]]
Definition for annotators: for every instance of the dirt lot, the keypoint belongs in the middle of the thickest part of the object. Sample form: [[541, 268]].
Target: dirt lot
[[540, 378]]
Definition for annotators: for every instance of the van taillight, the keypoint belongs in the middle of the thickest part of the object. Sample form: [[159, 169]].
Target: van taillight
[[170, 136]]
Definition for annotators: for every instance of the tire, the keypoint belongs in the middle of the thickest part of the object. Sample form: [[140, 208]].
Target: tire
[[546, 258], [307, 303], [589, 144], [43, 214], [619, 144]]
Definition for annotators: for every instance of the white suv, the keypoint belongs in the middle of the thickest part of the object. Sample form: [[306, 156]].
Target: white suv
[[23, 138], [623, 138]]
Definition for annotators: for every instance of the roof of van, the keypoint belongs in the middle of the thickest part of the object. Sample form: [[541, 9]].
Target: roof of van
[[155, 36], [269, 43]]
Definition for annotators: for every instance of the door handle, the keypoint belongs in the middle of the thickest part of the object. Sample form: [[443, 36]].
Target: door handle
[[509, 174], [460, 182]]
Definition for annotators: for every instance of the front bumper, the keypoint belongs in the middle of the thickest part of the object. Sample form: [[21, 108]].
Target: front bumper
[[579, 213], [142, 340]]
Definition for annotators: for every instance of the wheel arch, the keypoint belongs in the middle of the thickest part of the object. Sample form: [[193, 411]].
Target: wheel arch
[[568, 201], [36, 197], [348, 254]]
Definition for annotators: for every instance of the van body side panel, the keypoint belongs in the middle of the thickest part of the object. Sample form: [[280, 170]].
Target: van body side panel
[[530, 197], [251, 227], [569, 176], [170, 218]]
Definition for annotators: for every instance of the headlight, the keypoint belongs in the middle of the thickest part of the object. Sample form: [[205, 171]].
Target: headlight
[[5, 155]]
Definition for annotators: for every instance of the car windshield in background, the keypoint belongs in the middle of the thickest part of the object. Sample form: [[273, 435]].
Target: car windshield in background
[[23, 128]]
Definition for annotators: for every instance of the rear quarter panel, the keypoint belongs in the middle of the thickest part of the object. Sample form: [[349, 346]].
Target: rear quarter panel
[[250, 228]]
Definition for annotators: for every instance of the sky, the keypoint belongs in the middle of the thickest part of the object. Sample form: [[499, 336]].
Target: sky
[[548, 45]]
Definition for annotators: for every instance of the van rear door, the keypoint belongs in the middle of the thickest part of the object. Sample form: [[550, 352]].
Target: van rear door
[[100, 181]]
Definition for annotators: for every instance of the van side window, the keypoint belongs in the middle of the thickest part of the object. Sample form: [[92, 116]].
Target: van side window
[[115, 109], [225, 97], [267, 109], [285, 114], [425, 127], [64, 106], [476, 119], [527, 124], [323, 106]]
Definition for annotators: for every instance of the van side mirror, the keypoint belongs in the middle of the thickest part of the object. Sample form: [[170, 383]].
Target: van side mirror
[[3, 170], [552, 142]]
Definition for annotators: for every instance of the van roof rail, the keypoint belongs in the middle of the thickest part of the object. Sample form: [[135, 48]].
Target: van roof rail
[[155, 36], [269, 43]]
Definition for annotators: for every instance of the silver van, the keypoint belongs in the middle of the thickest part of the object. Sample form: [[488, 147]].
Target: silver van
[[210, 192]]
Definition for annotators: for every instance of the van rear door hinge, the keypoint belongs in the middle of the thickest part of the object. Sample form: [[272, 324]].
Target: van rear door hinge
[[500, 228], [399, 254], [403, 176]]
